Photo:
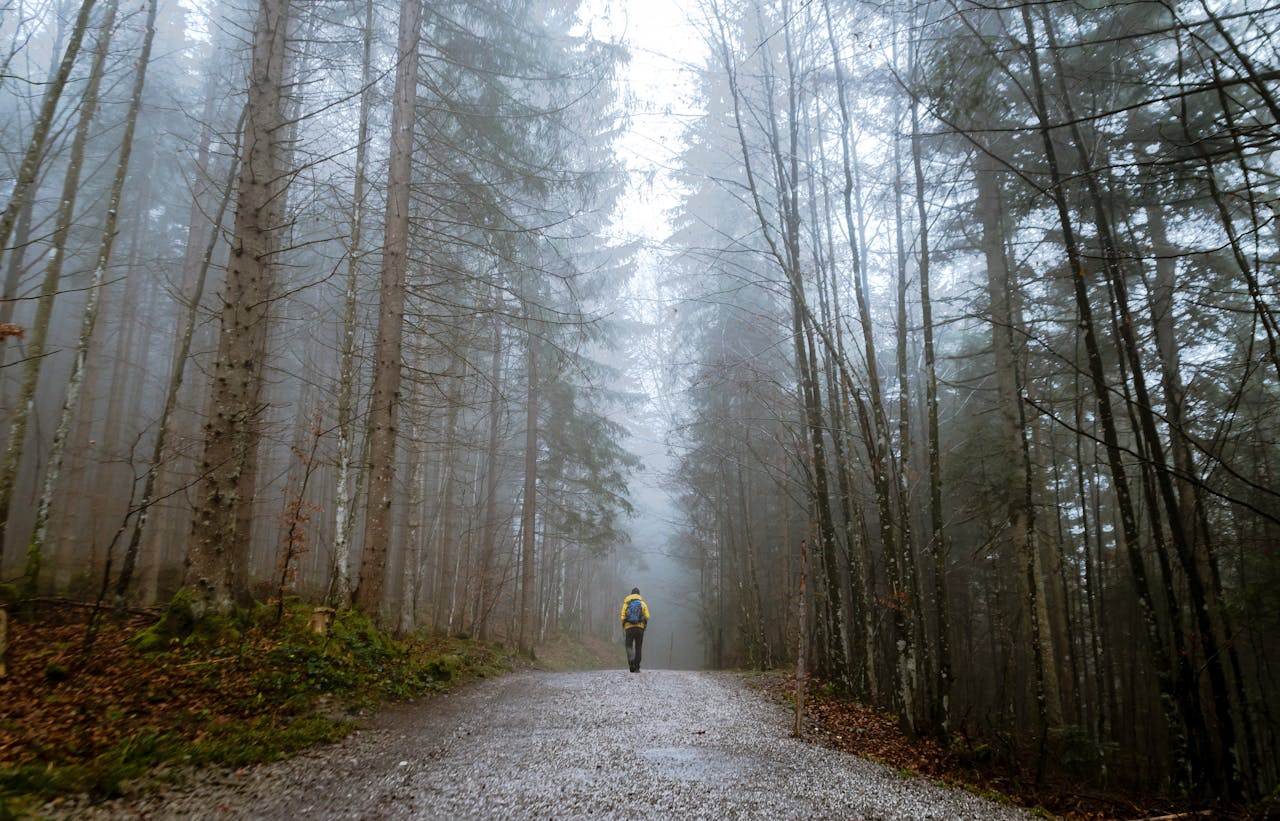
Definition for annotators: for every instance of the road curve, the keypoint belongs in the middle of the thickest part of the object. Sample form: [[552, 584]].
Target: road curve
[[604, 744]]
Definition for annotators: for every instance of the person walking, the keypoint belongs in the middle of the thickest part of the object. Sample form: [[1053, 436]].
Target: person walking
[[635, 618]]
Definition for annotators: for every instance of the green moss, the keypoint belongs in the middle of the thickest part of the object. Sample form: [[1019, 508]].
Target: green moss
[[176, 624], [444, 667], [989, 794], [182, 623], [101, 776], [230, 745], [263, 739], [281, 672]]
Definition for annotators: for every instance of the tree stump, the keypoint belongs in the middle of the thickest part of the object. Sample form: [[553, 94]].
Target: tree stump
[[321, 619]]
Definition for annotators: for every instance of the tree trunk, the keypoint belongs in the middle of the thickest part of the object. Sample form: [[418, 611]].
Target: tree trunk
[[937, 537], [339, 594], [802, 644], [447, 543], [196, 272], [529, 507], [219, 547], [916, 663], [384, 408], [1018, 499], [30, 166], [35, 352], [14, 269], [1175, 699], [71, 401], [1226, 774], [487, 584], [1190, 497], [874, 420]]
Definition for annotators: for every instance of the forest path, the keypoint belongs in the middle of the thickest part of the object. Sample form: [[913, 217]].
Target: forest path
[[604, 744]]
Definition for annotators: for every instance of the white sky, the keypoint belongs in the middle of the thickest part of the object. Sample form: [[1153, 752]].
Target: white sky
[[659, 96]]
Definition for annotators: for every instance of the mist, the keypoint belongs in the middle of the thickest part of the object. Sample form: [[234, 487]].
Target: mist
[[931, 348]]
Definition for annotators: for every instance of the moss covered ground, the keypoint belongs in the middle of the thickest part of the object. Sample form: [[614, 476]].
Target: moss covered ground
[[85, 710]]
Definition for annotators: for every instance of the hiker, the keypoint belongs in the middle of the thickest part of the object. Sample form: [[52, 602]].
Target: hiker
[[635, 617]]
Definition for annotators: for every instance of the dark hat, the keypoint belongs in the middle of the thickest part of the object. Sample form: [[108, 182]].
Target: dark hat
[[635, 590]]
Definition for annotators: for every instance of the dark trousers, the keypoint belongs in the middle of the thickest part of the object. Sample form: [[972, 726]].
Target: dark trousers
[[635, 641]]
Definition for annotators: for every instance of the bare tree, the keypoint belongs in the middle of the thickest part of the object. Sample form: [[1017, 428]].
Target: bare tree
[[44, 122], [71, 401], [52, 275], [340, 590]]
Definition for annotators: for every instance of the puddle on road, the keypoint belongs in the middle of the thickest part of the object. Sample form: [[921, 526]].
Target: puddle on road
[[699, 764]]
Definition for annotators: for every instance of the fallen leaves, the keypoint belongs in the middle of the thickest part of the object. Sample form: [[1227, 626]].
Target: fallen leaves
[[62, 705], [841, 723]]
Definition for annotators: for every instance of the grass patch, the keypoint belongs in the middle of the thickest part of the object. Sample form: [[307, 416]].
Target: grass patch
[[262, 739]]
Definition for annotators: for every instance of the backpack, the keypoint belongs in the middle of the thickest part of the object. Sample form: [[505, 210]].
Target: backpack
[[635, 612]]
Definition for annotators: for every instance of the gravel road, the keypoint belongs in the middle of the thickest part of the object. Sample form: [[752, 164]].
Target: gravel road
[[604, 744]]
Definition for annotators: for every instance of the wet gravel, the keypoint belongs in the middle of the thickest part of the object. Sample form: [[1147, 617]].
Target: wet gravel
[[604, 744]]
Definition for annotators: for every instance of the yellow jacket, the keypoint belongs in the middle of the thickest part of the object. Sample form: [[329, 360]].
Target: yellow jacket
[[623, 614]]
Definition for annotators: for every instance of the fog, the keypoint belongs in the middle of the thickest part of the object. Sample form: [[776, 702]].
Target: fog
[[474, 315]]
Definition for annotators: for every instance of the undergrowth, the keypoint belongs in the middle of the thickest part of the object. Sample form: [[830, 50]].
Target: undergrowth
[[228, 692]]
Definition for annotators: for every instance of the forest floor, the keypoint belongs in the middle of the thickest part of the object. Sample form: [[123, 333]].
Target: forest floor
[[842, 723], [77, 720], [82, 715]]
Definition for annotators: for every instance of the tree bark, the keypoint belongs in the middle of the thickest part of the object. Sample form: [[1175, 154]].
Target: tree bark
[[177, 373], [1174, 698], [916, 664], [339, 594], [219, 547], [802, 643], [487, 584], [384, 407], [1227, 774], [71, 401], [35, 352], [1018, 498], [874, 421], [529, 507], [937, 537]]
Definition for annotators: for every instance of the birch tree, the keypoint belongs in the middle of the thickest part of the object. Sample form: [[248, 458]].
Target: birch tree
[[71, 401], [340, 592], [53, 274]]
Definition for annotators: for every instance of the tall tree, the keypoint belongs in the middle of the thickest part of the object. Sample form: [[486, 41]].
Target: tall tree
[[343, 520], [216, 566], [384, 405], [937, 534], [53, 274], [71, 401], [528, 628]]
